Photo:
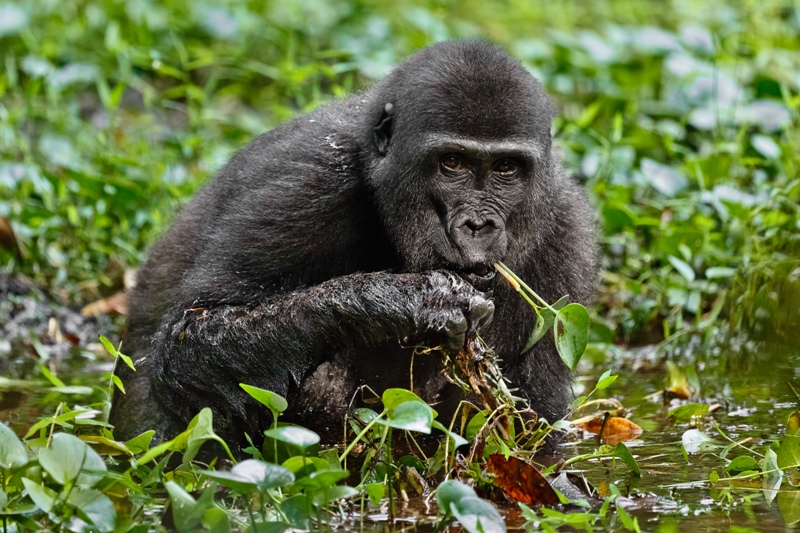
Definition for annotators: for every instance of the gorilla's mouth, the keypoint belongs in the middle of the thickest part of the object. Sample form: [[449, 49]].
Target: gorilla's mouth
[[479, 276]]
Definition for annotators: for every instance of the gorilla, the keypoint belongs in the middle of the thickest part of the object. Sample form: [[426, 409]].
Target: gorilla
[[327, 249]]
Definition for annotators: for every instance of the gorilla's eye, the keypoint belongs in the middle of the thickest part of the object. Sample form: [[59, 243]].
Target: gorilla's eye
[[506, 167], [452, 162]]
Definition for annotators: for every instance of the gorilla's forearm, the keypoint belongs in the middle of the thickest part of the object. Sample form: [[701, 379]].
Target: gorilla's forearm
[[265, 344]]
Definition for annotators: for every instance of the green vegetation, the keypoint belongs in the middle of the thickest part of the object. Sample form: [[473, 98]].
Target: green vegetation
[[682, 118]]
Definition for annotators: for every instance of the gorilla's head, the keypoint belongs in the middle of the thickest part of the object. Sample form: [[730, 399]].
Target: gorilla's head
[[459, 152]]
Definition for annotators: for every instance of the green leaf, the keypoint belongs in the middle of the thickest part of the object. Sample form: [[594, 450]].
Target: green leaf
[[274, 402], [299, 436], [789, 506], [94, 507], [573, 334], [375, 491], [742, 463], [474, 514], [201, 430], [321, 481], [301, 465], [689, 410], [69, 459], [252, 474], [605, 380], [544, 321], [110, 348], [478, 516], [720, 272], [298, 510], [628, 522], [391, 398], [622, 452], [789, 452], [216, 520], [183, 507], [411, 416], [141, 443], [12, 451], [683, 268], [451, 492], [337, 492], [43, 497]]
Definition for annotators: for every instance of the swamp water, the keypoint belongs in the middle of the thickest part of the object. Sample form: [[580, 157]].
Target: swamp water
[[750, 382]]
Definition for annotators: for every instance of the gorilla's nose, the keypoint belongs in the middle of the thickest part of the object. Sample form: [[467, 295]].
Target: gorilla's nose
[[478, 228], [476, 235]]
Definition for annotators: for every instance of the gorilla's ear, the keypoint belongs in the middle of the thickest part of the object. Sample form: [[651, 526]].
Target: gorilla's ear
[[382, 132]]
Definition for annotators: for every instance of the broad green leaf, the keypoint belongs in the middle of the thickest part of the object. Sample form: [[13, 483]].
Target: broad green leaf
[[572, 333], [391, 398], [141, 443], [298, 511], [375, 491], [742, 463], [252, 474], [69, 459], [789, 452], [411, 416], [622, 452], [43, 497], [300, 463], [474, 514], [689, 410], [95, 507], [336, 492], [683, 268], [12, 451], [318, 481], [605, 380], [299, 436], [789, 506], [183, 507], [451, 492], [274, 402], [478, 516], [216, 520], [201, 430]]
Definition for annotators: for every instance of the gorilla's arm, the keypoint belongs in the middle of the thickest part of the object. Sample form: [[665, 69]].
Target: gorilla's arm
[[203, 353]]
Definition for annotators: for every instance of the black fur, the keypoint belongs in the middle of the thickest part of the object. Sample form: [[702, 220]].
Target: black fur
[[329, 246]]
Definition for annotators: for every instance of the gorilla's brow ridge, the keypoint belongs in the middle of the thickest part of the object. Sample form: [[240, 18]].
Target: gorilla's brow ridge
[[511, 147]]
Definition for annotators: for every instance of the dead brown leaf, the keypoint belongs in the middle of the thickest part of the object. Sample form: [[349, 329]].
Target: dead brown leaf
[[520, 481], [617, 429], [7, 238], [114, 304]]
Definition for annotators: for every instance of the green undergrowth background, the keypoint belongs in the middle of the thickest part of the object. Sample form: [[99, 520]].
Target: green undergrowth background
[[681, 117]]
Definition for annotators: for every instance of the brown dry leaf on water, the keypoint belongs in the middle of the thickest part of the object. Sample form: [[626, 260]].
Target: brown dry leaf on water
[[114, 304], [617, 429], [520, 481]]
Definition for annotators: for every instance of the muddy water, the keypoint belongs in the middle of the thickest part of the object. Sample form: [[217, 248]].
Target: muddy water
[[749, 380]]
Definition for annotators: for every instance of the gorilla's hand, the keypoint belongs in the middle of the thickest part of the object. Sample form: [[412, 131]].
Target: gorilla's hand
[[449, 309]]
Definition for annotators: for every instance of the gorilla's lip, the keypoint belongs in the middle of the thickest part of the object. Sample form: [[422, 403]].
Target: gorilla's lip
[[480, 276]]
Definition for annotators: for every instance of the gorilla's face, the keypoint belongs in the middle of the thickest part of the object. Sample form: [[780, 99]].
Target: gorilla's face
[[452, 203], [473, 187]]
